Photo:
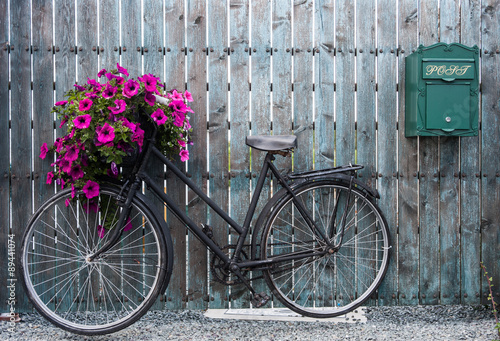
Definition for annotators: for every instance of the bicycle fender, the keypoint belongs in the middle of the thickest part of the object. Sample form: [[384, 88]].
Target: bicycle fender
[[166, 236]]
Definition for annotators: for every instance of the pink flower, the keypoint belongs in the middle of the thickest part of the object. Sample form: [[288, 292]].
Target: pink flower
[[109, 91], [94, 83], [43, 151], [61, 103], [91, 95], [122, 69], [138, 136], [79, 87], [131, 88], [50, 177], [82, 121], [181, 143], [71, 153], [188, 96], [101, 231], [159, 117], [128, 124], [120, 107], [91, 189], [178, 106], [176, 96], [149, 82], [101, 73], [150, 98], [73, 191], [106, 134], [184, 155], [65, 165], [85, 104], [119, 80], [76, 172], [178, 119]]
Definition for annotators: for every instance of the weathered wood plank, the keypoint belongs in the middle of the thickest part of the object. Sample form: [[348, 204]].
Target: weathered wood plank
[[239, 129], [470, 216], [324, 84], [218, 132], [387, 134], [175, 79], [366, 110], [20, 105], [429, 178], [345, 142], [131, 38], [490, 74], [4, 142], [87, 26], [303, 83], [109, 34], [197, 85], [407, 168], [153, 63], [449, 187]]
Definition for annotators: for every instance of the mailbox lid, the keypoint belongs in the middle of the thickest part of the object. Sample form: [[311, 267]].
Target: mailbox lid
[[448, 106]]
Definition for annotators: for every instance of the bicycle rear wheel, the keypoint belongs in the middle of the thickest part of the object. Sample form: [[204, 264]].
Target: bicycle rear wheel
[[100, 296], [335, 283]]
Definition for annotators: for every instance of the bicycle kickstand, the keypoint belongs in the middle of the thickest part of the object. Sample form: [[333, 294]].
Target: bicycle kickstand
[[258, 299]]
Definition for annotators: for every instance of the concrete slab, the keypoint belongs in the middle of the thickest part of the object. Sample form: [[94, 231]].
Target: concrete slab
[[282, 314]]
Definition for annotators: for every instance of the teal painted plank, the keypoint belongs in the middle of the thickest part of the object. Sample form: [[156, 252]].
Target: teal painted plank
[[239, 128], [407, 168], [366, 113], [387, 135], [345, 83], [153, 63], [449, 205], [175, 79], [131, 38], [303, 83], [197, 85], [4, 141], [429, 175], [20, 132], [218, 132], [490, 73], [324, 84], [470, 217], [87, 25], [109, 34]]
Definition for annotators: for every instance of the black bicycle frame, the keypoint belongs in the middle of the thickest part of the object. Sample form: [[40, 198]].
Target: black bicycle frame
[[141, 174]]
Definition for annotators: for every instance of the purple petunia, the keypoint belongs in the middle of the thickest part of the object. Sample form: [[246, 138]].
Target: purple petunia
[[131, 88], [85, 104], [106, 134], [184, 154], [71, 153], [50, 177], [150, 98], [79, 87], [76, 172], [159, 116], [175, 96], [43, 151], [120, 107], [82, 121], [109, 91], [101, 73], [94, 84], [121, 69], [61, 103], [91, 189], [188, 96], [150, 82]]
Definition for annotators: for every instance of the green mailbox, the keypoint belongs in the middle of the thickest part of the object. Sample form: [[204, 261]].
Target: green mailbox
[[442, 87]]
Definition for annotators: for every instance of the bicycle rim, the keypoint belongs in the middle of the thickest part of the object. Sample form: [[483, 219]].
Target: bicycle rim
[[101, 296], [333, 284]]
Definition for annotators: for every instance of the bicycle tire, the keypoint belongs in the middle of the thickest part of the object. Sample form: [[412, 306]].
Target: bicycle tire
[[107, 294], [332, 284]]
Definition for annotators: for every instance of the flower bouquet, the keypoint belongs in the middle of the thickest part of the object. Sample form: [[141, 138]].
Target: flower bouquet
[[104, 123]]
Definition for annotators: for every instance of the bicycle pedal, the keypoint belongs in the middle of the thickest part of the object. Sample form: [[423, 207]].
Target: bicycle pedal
[[260, 300]]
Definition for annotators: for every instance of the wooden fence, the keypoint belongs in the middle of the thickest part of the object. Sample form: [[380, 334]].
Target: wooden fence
[[331, 72]]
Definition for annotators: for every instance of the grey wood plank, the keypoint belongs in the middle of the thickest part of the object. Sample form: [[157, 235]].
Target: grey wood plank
[[109, 34], [197, 165], [87, 26], [387, 136], [407, 168], [175, 79], [131, 38], [470, 198]]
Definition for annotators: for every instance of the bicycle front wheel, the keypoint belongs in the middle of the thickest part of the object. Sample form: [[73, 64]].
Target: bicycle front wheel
[[100, 296], [325, 284]]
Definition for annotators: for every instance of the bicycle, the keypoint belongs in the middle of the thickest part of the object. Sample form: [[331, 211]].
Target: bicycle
[[96, 266]]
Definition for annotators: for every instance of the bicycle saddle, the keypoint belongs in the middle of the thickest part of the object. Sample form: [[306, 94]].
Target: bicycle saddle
[[272, 142]]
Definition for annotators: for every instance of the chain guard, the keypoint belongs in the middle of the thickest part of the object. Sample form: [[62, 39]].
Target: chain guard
[[221, 274]]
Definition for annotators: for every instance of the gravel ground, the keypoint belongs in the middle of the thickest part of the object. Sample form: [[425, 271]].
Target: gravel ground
[[383, 323]]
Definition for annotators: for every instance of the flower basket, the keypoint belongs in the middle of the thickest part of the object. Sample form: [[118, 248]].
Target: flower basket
[[107, 123]]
